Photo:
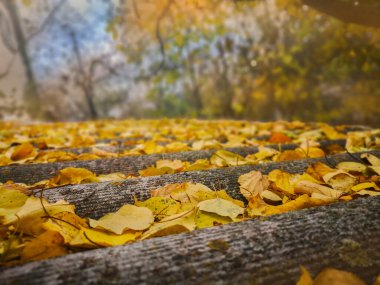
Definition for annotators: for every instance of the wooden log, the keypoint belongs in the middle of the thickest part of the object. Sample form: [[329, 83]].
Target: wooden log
[[32, 173], [268, 251], [97, 199]]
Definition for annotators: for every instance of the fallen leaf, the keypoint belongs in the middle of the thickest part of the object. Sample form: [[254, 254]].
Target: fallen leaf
[[206, 220], [340, 180], [22, 151], [161, 207], [72, 175], [331, 276], [282, 181], [222, 158], [92, 238], [179, 223], [128, 217], [221, 207], [307, 187], [350, 166], [305, 278], [47, 245], [373, 160], [365, 185], [252, 183]]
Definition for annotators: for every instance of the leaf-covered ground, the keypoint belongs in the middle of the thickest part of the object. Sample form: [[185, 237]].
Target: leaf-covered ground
[[32, 228]]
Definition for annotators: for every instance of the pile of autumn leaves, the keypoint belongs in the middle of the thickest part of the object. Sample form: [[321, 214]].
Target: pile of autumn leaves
[[34, 229]]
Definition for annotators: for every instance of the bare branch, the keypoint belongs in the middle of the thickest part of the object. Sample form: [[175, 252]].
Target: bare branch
[[47, 21]]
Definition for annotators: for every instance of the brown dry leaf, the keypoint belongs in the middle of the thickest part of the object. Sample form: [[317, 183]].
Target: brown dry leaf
[[47, 245], [331, 276], [305, 278], [128, 217], [72, 175], [340, 180], [253, 183]]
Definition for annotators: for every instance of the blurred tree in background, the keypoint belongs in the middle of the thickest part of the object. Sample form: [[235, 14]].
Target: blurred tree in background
[[260, 60]]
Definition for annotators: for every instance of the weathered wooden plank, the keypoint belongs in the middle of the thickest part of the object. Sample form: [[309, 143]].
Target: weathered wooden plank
[[31, 173], [96, 199], [270, 251]]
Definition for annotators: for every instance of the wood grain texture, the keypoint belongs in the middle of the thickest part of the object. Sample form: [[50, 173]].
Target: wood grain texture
[[97, 199], [32, 173], [266, 251]]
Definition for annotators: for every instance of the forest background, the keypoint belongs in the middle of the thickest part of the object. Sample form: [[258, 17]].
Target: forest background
[[64, 60]]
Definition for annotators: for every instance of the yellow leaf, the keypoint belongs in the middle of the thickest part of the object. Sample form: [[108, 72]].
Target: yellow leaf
[[282, 180], [153, 171], [91, 238], [221, 207], [331, 276], [72, 175], [318, 170], [127, 217], [66, 223], [307, 187], [176, 165], [29, 219], [10, 201], [222, 158], [365, 185], [23, 151], [252, 183], [151, 147], [259, 208], [117, 176], [305, 278], [367, 192], [269, 195], [47, 245], [182, 222], [350, 166], [200, 164], [265, 152], [288, 155], [375, 161], [160, 206], [206, 219]]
